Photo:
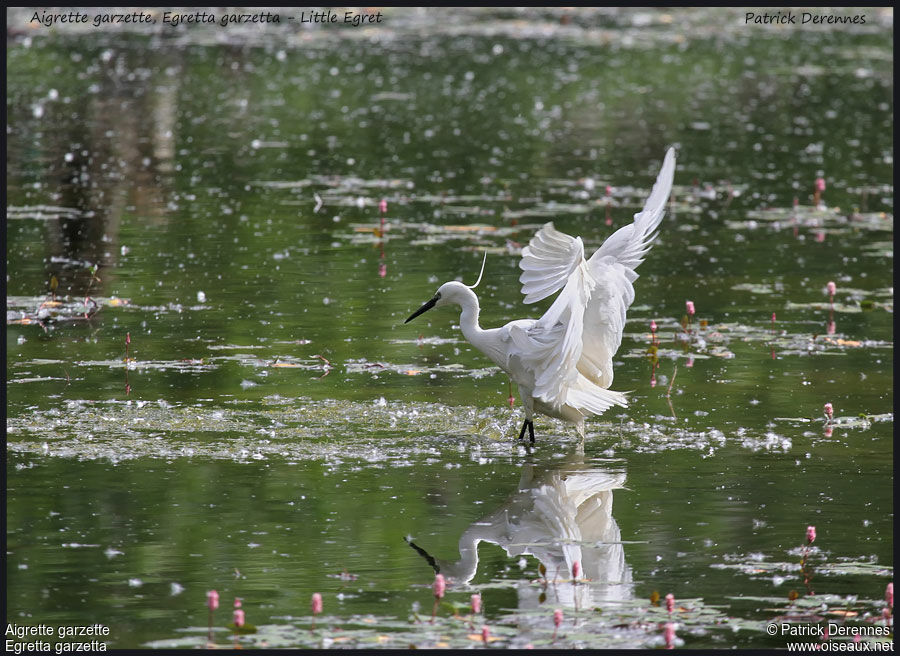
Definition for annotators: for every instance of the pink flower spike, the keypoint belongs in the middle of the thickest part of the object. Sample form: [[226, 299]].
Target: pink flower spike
[[237, 602], [576, 570], [820, 184], [557, 617], [316, 603], [889, 594], [690, 307], [382, 206], [829, 411], [810, 534], [212, 599], [485, 634], [670, 602], [238, 617], [439, 586], [670, 635], [831, 288], [476, 603], [608, 190], [773, 317], [652, 326], [128, 338]]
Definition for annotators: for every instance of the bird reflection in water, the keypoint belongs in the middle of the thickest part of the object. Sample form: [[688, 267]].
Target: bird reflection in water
[[560, 516]]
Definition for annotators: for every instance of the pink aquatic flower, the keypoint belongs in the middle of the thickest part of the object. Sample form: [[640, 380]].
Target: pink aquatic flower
[[439, 586], [690, 308], [557, 617], [382, 206], [831, 288], [810, 534], [485, 633], [670, 602], [653, 380], [576, 569], [820, 184], [830, 328], [652, 326], [889, 594], [476, 603], [316, 603], [608, 190], [212, 599], [238, 617], [829, 411], [670, 635], [237, 602], [690, 361], [829, 430]]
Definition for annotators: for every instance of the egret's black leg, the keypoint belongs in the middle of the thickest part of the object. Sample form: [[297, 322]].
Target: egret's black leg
[[529, 425]]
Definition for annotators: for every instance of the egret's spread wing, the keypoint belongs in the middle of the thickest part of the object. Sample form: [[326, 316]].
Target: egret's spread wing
[[548, 261], [613, 267]]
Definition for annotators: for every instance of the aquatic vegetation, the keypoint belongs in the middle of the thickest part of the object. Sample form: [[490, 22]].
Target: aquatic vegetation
[[612, 624]]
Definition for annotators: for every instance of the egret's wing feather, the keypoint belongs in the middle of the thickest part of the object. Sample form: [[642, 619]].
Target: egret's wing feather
[[613, 267], [551, 347], [604, 320], [630, 243], [548, 261]]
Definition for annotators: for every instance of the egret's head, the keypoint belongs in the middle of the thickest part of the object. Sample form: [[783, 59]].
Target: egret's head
[[449, 293]]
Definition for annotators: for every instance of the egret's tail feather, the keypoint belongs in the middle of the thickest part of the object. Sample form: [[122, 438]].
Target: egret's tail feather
[[590, 398]]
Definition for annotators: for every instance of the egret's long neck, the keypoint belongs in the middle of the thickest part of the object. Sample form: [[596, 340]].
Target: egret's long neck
[[468, 318]]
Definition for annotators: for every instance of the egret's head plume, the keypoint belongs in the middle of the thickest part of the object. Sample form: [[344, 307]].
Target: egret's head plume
[[483, 262]]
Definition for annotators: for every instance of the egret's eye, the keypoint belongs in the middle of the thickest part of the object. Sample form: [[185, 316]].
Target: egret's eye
[[437, 296]]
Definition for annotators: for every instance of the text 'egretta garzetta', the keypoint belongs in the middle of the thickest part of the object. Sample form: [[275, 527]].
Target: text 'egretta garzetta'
[[562, 362]]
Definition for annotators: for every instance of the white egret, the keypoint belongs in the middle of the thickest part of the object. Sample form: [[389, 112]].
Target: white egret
[[562, 362]]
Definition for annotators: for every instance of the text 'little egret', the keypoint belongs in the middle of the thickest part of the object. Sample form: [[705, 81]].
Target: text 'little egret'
[[562, 362]]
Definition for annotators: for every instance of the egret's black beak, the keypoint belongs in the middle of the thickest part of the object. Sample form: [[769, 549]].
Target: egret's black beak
[[424, 308], [427, 556]]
